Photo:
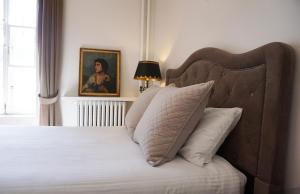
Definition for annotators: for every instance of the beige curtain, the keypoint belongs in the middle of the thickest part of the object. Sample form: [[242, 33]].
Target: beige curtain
[[49, 31]]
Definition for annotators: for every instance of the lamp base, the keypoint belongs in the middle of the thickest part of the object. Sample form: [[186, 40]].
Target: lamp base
[[144, 86]]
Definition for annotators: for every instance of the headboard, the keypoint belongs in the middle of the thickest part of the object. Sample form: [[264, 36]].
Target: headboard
[[259, 81]]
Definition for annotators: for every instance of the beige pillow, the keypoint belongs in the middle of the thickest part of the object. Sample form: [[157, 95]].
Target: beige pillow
[[138, 108], [169, 119]]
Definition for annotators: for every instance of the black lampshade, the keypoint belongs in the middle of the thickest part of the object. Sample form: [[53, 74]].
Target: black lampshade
[[147, 70]]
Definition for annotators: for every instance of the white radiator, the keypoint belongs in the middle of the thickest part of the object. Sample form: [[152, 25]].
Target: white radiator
[[99, 113]]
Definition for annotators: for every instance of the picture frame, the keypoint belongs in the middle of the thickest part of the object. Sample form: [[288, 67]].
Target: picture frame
[[99, 72]]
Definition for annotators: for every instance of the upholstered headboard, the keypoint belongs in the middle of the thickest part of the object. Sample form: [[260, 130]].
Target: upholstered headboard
[[259, 81]]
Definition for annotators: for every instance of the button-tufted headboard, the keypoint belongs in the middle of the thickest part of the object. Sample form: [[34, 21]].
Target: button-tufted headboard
[[259, 81]]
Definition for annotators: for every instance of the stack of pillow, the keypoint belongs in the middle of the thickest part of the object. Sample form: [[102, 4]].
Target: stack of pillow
[[170, 120]]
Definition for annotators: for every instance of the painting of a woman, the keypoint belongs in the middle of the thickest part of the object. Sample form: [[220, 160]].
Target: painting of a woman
[[96, 82], [99, 72]]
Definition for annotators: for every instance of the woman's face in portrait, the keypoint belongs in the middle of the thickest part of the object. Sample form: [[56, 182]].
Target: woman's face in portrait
[[98, 67]]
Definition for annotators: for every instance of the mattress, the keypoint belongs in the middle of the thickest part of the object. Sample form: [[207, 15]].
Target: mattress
[[66, 160]]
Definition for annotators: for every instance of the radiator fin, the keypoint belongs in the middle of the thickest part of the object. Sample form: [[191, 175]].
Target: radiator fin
[[95, 113]]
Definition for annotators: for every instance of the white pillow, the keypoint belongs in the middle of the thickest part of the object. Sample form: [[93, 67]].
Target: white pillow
[[138, 108], [213, 128]]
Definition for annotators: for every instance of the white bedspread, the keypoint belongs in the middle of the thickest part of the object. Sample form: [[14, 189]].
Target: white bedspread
[[62, 160]]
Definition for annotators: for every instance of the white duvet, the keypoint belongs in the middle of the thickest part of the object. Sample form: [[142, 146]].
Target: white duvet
[[61, 160]]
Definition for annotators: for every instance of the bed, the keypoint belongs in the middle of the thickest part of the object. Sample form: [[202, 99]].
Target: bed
[[62, 160]]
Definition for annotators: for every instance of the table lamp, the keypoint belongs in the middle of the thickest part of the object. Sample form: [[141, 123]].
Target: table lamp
[[146, 71]]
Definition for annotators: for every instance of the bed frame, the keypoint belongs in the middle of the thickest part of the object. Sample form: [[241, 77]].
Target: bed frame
[[259, 81]]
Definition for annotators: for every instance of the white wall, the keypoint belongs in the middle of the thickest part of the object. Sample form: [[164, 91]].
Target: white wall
[[180, 27], [106, 24]]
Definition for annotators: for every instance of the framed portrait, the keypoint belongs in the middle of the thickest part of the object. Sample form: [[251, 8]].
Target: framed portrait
[[99, 72]]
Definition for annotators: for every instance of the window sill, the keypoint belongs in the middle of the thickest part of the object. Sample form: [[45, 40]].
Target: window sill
[[29, 120], [17, 116]]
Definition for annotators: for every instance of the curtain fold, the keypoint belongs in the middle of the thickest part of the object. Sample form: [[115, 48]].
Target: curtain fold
[[49, 32]]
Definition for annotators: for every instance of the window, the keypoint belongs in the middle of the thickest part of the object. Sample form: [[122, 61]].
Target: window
[[18, 56]]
